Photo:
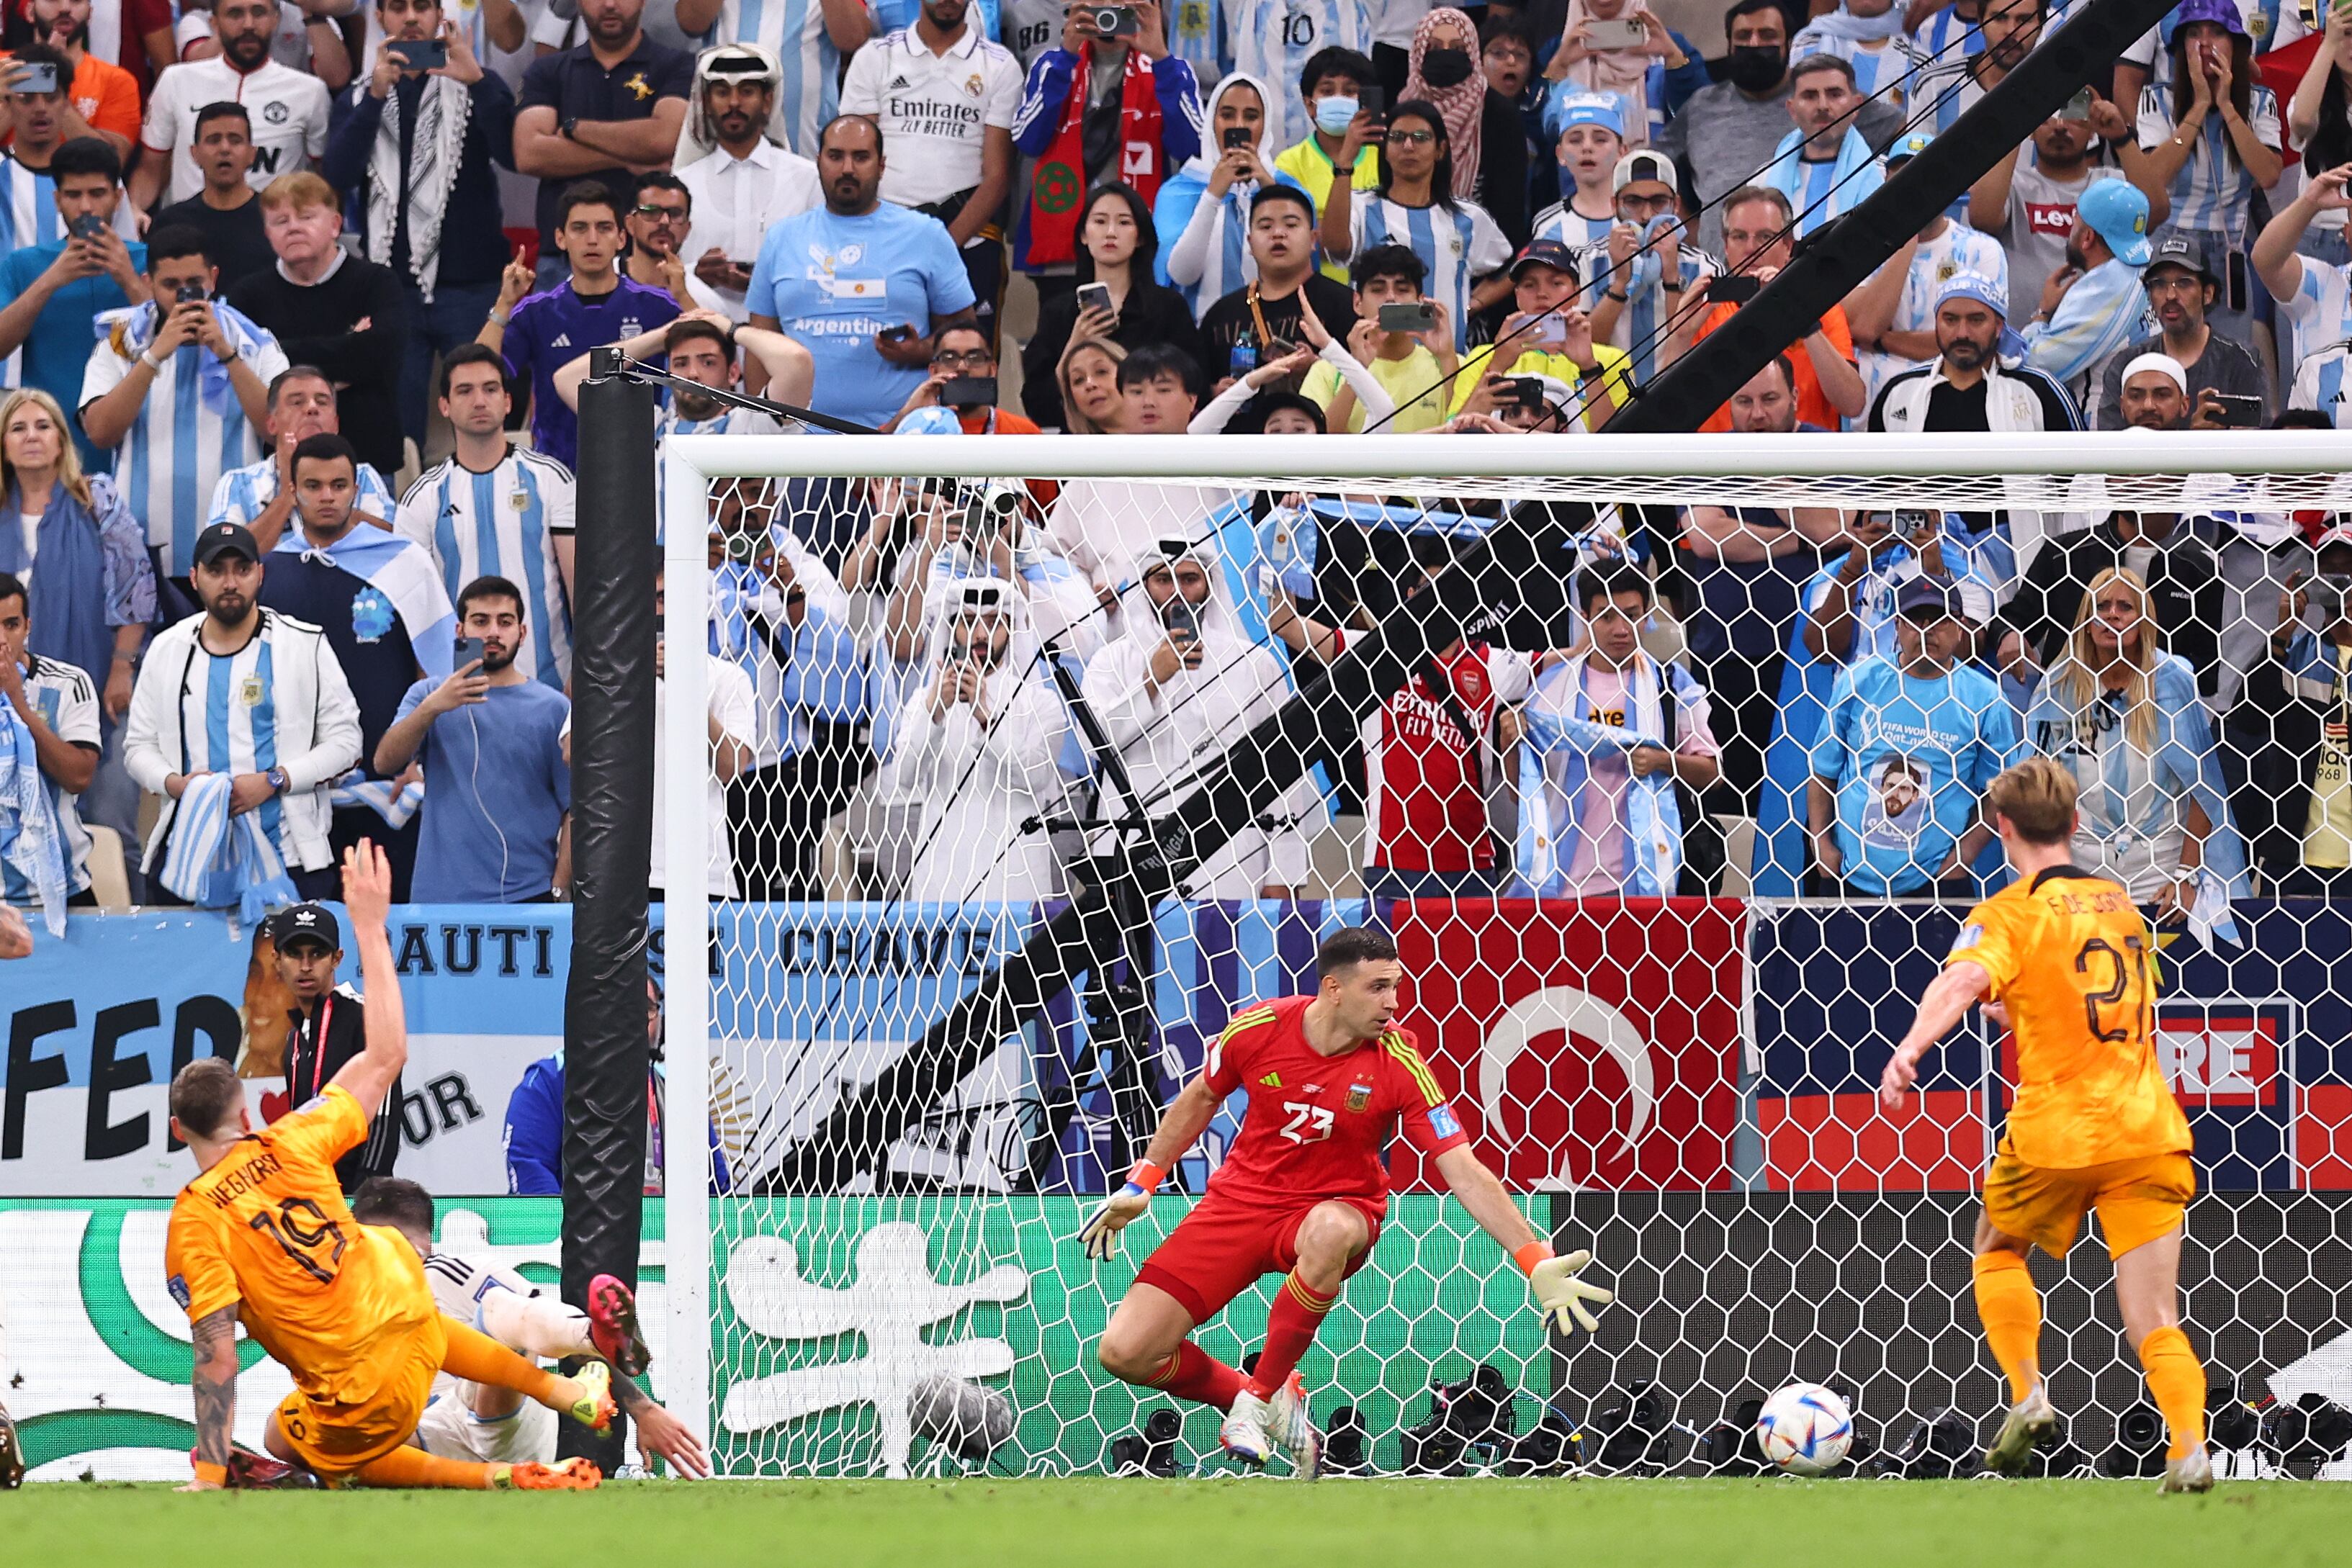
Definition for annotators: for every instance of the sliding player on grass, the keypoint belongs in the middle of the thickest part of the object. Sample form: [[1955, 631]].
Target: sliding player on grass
[[482, 1421], [2062, 959], [1301, 1193], [262, 1233]]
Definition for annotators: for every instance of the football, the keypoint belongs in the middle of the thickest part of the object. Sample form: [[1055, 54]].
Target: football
[[1805, 1429]]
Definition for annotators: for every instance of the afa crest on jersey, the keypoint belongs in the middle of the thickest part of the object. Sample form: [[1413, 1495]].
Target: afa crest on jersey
[[1359, 1095]]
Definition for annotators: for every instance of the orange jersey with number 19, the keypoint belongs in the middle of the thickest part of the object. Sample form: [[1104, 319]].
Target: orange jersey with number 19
[[2073, 962], [268, 1227]]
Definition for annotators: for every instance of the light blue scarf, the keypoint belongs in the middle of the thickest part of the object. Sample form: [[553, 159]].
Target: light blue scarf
[[221, 862], [1854, 178], [1555, 762], [402, 571], [136, 330], [30, 838]]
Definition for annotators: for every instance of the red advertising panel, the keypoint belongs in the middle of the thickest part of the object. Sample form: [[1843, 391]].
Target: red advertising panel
[[1585, 1044]]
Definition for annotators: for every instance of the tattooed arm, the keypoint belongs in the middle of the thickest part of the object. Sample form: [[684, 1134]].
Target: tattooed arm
[[658, 1431], [216, 1392]]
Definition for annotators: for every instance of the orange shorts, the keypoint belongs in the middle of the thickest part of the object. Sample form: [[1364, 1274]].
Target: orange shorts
[[2137, 1200], [336, 1437]]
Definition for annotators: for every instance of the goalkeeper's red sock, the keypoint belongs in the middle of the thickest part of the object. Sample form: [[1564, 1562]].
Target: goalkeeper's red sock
[[407, 1467], [1193, 1374], [1290, 1325]]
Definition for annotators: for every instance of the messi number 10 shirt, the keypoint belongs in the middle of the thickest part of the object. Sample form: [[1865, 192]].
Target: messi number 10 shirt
[[1316, 1125]]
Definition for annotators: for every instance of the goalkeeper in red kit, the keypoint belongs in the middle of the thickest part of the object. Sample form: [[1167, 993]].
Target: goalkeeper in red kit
[[1301, 1193]]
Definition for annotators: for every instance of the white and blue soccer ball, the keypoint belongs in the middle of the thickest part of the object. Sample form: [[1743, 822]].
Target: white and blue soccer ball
[[1805, 1429]]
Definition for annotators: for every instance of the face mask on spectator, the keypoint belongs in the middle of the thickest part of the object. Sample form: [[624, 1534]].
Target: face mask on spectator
[[1334, 115], [1446, 68], [1755, 67]]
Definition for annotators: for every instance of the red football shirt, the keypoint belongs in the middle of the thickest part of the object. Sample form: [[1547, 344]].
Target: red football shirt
[[1425, 785], [1316, 1125]]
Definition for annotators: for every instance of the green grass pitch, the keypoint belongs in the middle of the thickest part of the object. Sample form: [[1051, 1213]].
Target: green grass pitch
[[1589, 1523]]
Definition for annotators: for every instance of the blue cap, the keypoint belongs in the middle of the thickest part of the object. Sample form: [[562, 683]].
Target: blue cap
[[1909, 146], [2222, 14], [2117, 212], [1925, 598], [1589, 109], [930, 421], [1974, 286]]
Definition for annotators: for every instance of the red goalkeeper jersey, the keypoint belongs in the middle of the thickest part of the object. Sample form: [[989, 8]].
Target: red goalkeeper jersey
[[1316, 1125]]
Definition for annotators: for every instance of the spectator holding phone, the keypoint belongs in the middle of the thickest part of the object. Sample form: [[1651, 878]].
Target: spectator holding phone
[[882, 261], [748, 180], [2227, 385], [1202, 213], [38, 117], [1404, 339], [2320, 120], [2026, 200], [1643, 284], [50, 293], [1341, 90], [436, 221], [1758, 243], [1650, 76], [1117, 300], [495, 823], [2314, 292], [1086, 80], [1545, 335], [228, 209], [178, 432], [964, 379], [104, 96], [1414, 204]]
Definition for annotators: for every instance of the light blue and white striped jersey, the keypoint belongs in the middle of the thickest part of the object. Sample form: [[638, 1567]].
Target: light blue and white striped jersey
[[2320, 309], [1948, 34], [729, 421], [1889, 71], [229, 721], [244, 494], [1459, 244], [2212, 193], [502, 523], [1946, 89], [1562, 221], [66, 699], [181, 443], [1271, 40], [1957, 250], [2320, 385], [1197, 33], [2100, 314], [1642, 321], [795, 29], [1816, 195]]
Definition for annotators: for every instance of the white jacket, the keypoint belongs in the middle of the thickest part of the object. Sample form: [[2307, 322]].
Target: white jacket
[[312, 724]]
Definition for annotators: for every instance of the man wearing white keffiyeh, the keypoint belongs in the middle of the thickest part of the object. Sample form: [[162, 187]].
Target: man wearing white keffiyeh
[[417, 148]]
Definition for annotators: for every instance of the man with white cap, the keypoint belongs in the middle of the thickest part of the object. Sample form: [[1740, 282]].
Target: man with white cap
[[2153, 394], [1637, 282], [2091, 306], [1967, 387], [1893, 315], [2180, 290], [748, 178]]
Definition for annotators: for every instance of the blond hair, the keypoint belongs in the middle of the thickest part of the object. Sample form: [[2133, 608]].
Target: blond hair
[[1074, 422], [300, 190], [2037, 795], [2076, 677], [69, 473]]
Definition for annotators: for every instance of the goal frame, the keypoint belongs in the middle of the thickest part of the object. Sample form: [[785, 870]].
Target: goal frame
[[1667, 464]]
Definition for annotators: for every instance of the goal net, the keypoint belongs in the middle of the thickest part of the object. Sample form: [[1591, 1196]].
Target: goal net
[[1029, 761]]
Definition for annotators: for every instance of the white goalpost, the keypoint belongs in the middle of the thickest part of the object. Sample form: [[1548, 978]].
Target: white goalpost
[[1674, 1074]]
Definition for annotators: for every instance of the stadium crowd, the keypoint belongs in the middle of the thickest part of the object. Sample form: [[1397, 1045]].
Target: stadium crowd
[[297, 300]]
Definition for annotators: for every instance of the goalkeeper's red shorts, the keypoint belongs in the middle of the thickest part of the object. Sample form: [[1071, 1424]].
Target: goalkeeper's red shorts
[[1225, 1244]]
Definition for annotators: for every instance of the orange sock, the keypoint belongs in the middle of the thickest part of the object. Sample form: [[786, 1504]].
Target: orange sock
[[2011, 1309], [478, 1358], [407, 1467], [2175, 1381]]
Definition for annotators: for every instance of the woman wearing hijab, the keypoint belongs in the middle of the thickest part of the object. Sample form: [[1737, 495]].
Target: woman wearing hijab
[[1482, 126], [1202, 213]]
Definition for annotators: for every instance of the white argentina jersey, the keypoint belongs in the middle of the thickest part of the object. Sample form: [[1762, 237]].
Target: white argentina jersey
[[504, 524], [795, 29], [1273, 40], [1458, 244]]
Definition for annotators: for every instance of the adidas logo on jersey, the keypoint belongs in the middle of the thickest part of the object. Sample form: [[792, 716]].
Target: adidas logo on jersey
[[1270, 1081], [897, 83], [562, 341]]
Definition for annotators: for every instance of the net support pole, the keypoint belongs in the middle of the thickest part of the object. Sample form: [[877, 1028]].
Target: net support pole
[[685, 1375], [1832, 261], [606, 1056]]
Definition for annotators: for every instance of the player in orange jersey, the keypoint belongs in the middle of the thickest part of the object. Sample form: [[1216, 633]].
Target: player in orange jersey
[[2063, 960], [262, 1234], [1301, 1193]]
